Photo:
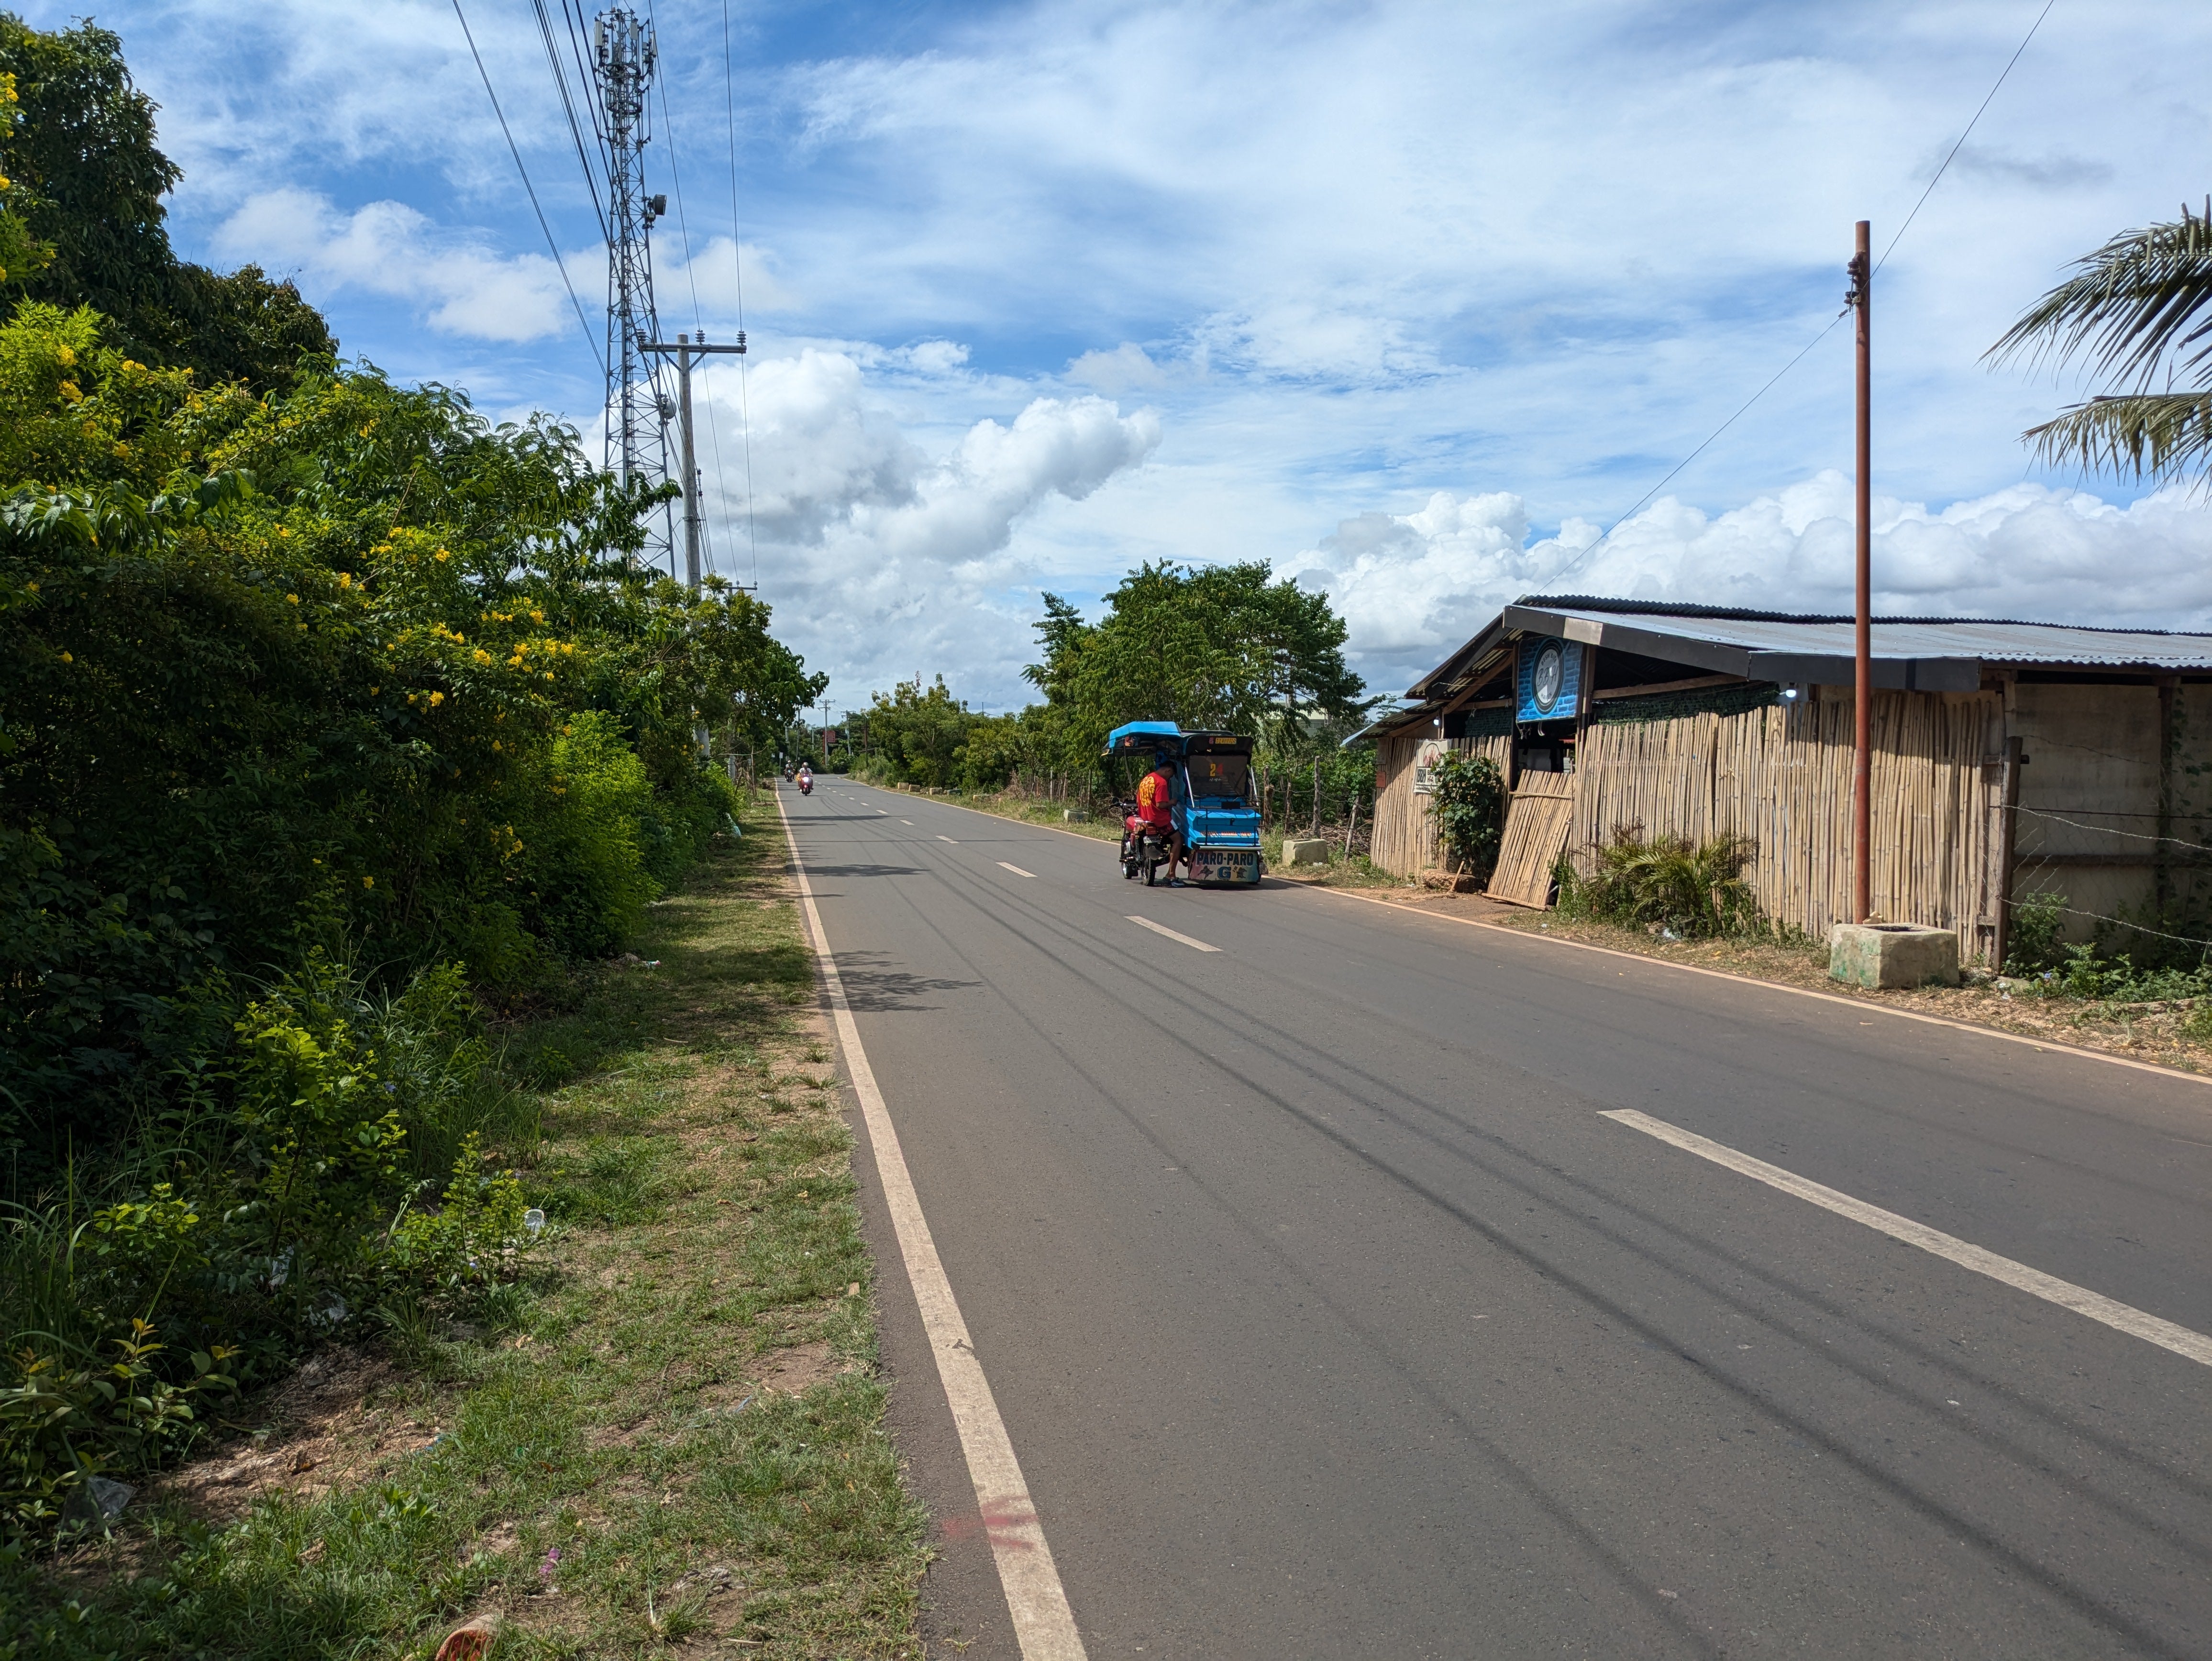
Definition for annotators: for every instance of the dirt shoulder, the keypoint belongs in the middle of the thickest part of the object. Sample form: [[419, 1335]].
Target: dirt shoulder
[[670, 1431]]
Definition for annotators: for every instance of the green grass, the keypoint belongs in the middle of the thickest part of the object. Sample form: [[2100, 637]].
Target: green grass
[[670, 1429]]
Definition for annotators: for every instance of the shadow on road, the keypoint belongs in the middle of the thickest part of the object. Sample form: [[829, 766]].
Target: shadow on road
[[873, 990]]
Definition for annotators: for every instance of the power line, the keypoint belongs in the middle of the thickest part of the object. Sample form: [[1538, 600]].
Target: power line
[[690, 273], [738, 261], [1963, 136], [1571, 565], [559, 263], [568, 107]]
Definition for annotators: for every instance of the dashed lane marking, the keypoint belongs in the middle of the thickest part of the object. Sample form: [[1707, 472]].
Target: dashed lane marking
[[2121, 1317], [942, 838], [1016, 870], [1161, 929]]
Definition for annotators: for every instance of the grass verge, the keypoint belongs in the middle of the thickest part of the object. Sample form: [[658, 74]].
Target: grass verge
[[669, 1431]]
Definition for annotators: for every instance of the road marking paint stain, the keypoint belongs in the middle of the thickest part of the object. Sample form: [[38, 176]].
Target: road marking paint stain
[[2121, 1317], [1161, 929], [1044, 1626], [1016, 870]]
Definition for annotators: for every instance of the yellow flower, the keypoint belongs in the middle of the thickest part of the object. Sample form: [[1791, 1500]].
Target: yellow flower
[[374, 691], [443, 555], [69, 391], [368, 882], [64, 355], [495, 743], [66, 658], [281, 531], [30, 587], [345, 580], [292, 599], [483, 656], [437, 697]]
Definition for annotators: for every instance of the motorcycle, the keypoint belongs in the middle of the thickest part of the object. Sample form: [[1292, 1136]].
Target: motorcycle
[[1144, 847], [807, 784]]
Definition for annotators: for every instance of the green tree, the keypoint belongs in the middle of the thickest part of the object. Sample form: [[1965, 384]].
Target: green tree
[[2137, 312], [87, 181], [921, 734], [1221, 646]]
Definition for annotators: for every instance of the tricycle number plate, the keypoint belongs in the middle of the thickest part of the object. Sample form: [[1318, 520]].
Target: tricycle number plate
[[1224, 865]]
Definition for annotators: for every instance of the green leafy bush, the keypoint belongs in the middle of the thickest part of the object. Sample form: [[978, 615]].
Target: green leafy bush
[[62, 1423], [1693, 889], [472, 1240], [2035, 939], [1466, 799]]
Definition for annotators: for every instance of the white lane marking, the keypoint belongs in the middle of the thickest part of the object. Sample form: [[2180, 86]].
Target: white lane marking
[[1043, 1624], [885, 811], [2122, 1318], [1161, 929], [1016, 870], [942, 838], [906, 821]]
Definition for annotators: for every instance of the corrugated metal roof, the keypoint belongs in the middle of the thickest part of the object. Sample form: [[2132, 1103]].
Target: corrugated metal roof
[[1911, 637]]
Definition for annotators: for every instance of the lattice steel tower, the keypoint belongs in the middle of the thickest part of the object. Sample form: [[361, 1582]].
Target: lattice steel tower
[[624, 55]]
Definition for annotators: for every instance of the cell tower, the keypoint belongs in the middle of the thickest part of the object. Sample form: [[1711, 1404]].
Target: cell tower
[[624, 55]]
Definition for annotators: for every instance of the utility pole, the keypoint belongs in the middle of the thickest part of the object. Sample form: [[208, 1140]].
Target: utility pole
[[683, 352], [1861, 300], [624, 55]]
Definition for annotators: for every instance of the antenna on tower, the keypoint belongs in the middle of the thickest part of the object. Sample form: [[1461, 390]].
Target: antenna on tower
[[624, 55]]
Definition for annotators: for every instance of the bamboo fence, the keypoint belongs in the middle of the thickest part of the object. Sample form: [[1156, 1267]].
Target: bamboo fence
[[1404, 836], [1537, 824], [1781, 776]]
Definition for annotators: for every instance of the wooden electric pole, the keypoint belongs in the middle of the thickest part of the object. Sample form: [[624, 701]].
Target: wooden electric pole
[[1861, 269], [683, 350]]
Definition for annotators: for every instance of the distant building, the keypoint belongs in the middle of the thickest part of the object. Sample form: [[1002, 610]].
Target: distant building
[[2009, 758]]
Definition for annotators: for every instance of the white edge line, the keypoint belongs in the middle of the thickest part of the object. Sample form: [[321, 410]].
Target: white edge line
[[1016, 870], [1043, 1624], [1871, 1008], [2122, 1318], [1161, 929]]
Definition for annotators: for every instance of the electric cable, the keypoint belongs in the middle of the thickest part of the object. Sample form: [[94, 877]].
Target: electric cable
[[1573, 564], [738, 260], [568, 108], [560, 265]]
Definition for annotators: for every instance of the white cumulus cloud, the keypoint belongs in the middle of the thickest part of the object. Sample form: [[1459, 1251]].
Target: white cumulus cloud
[[1413, 585], [391, 249]]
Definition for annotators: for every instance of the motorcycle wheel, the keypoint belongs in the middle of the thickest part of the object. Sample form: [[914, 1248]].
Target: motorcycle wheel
[[1151, 874]]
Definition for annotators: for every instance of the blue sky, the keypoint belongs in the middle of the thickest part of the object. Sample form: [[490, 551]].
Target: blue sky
[[1410, 300]]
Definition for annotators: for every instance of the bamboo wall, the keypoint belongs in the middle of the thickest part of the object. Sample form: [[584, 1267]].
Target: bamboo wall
[[1404, 838], [1782, 777]]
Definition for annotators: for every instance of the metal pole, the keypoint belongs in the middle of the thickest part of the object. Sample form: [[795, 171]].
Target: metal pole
[[691, 463], [1863, 634]]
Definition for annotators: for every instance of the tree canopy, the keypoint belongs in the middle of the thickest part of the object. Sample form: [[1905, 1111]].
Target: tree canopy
[[1221, 646], [86, 182], [2137, 312]]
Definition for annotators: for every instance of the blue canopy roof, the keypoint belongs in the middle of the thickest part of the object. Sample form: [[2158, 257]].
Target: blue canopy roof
[[1140, 735]]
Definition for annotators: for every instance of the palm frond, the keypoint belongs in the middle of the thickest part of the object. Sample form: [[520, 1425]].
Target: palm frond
[[2145, 294], [2151, 434]]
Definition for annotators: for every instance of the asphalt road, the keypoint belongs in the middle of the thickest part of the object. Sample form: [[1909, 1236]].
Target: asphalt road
[[1328, 1317]]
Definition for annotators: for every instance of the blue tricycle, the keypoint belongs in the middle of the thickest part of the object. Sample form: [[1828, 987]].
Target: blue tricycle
[[1211, 805]]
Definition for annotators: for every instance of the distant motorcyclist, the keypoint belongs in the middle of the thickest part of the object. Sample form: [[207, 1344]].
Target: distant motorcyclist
[[806, 779]]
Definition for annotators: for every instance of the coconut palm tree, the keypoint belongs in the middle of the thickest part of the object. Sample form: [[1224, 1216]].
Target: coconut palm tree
[[2138, 312]]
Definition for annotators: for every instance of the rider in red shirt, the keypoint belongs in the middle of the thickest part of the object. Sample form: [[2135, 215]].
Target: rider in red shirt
[[1155, 809]]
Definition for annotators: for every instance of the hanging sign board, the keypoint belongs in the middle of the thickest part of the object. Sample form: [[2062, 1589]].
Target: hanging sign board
[[1425, 757], [1548, 679]]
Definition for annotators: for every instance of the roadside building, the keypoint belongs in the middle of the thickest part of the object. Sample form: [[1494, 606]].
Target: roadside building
[[2009, 758]]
